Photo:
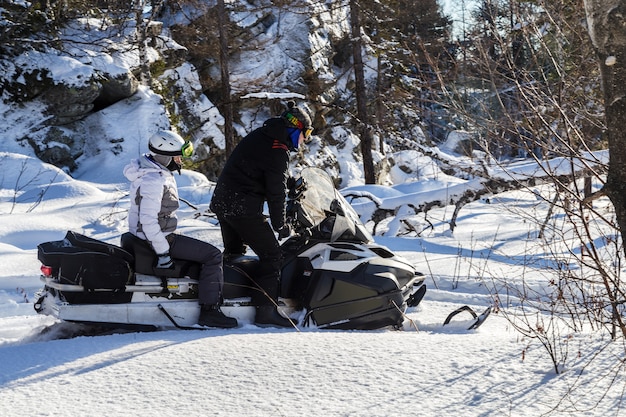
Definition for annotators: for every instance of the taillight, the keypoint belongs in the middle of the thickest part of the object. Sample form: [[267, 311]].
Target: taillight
[[46, 270]]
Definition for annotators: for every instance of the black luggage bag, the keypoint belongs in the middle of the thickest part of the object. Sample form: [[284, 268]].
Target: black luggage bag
[[90, 263]]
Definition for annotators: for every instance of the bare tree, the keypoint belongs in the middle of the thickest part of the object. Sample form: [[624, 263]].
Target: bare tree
[[361, 95], [531, 77], [142, 37], [606, 21], [529, 90], [229, 133]]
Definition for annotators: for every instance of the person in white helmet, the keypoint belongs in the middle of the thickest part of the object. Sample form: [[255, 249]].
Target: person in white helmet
[[152, 217]]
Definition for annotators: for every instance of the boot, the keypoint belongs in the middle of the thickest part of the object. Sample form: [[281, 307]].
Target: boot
[[268, 316], [212, 316]]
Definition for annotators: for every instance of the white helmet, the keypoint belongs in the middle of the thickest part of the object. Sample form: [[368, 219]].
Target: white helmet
[[168, 143]]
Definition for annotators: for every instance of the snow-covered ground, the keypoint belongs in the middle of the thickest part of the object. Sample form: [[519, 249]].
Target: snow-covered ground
[[425, 370]]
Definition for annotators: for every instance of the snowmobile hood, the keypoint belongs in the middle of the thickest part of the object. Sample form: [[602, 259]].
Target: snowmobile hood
[[137, 168]]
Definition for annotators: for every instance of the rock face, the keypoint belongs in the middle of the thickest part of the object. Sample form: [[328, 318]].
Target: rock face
[[116, 88], [66, 103], [275, 56], [55, 146], [67, 86], [70, 80]]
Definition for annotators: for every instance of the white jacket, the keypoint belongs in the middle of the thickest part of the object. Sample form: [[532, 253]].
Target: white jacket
[[153, 202]]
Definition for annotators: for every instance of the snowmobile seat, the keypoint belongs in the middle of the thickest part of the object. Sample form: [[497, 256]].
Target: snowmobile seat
[[238, 273], [146, 259], [144, 255]]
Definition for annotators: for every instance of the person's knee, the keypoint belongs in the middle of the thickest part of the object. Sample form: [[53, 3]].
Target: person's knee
[[212, 256], [271, 263]]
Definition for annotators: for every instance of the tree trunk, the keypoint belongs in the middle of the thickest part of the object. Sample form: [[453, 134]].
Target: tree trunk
[[145, 78], [606, 20], [380, 112], [227, 106], [361, 102]]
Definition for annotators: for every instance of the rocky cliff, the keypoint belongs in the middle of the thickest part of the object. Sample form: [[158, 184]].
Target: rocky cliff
[[61, 83]]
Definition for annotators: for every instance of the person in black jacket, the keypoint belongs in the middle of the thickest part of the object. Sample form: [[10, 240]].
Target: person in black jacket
[[255, 173]]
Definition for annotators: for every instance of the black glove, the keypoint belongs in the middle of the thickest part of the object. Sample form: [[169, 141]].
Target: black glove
[[296, 187], [164, 261], [284, 232], [291, 183]]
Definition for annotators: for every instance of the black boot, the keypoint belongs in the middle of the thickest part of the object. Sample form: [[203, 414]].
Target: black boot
[[212, 316], [268, 316]]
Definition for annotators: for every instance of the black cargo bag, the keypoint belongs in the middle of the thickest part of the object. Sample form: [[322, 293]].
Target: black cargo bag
[[80, 260]]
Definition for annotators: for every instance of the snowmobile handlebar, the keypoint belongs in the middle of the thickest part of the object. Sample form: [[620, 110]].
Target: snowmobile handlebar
[[296, 187], [292, 209]]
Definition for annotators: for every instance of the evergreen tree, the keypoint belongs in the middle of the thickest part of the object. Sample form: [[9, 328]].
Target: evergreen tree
[[415, 54]]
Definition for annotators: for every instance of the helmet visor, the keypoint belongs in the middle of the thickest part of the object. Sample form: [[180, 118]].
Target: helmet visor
[[186, 150]]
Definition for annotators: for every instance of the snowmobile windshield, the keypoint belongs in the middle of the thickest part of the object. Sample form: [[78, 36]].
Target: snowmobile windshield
[[324, 207]]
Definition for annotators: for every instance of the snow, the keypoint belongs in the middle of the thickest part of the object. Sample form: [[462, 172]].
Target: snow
[[426, 369]]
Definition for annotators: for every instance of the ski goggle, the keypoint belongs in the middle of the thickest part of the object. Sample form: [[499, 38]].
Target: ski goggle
[[306, 131], [186, 150]]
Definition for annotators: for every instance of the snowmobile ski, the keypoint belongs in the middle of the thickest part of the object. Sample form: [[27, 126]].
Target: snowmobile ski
[[481, 318], [478, 319], [415, 298]]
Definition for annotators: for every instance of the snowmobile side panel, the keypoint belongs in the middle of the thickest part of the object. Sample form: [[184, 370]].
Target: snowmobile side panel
[[238, 273], [186, 313], [354, 300], [147, 313], [295, 278], [97, 297], [365, 314], [401, 274]]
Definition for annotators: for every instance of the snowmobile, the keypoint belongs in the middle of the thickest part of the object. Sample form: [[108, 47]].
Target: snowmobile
[[333, 276]]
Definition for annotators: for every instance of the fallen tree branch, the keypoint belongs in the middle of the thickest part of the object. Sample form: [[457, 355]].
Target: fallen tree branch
[[377, 210]]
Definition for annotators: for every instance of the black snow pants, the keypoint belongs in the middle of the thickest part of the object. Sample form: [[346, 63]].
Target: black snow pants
[[211, 280], [256, 232]]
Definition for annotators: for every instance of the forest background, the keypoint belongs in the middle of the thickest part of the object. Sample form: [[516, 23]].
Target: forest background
[[389, 83]]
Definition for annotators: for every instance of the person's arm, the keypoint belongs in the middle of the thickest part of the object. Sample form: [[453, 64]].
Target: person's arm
[[151, 194], [276, 180]]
